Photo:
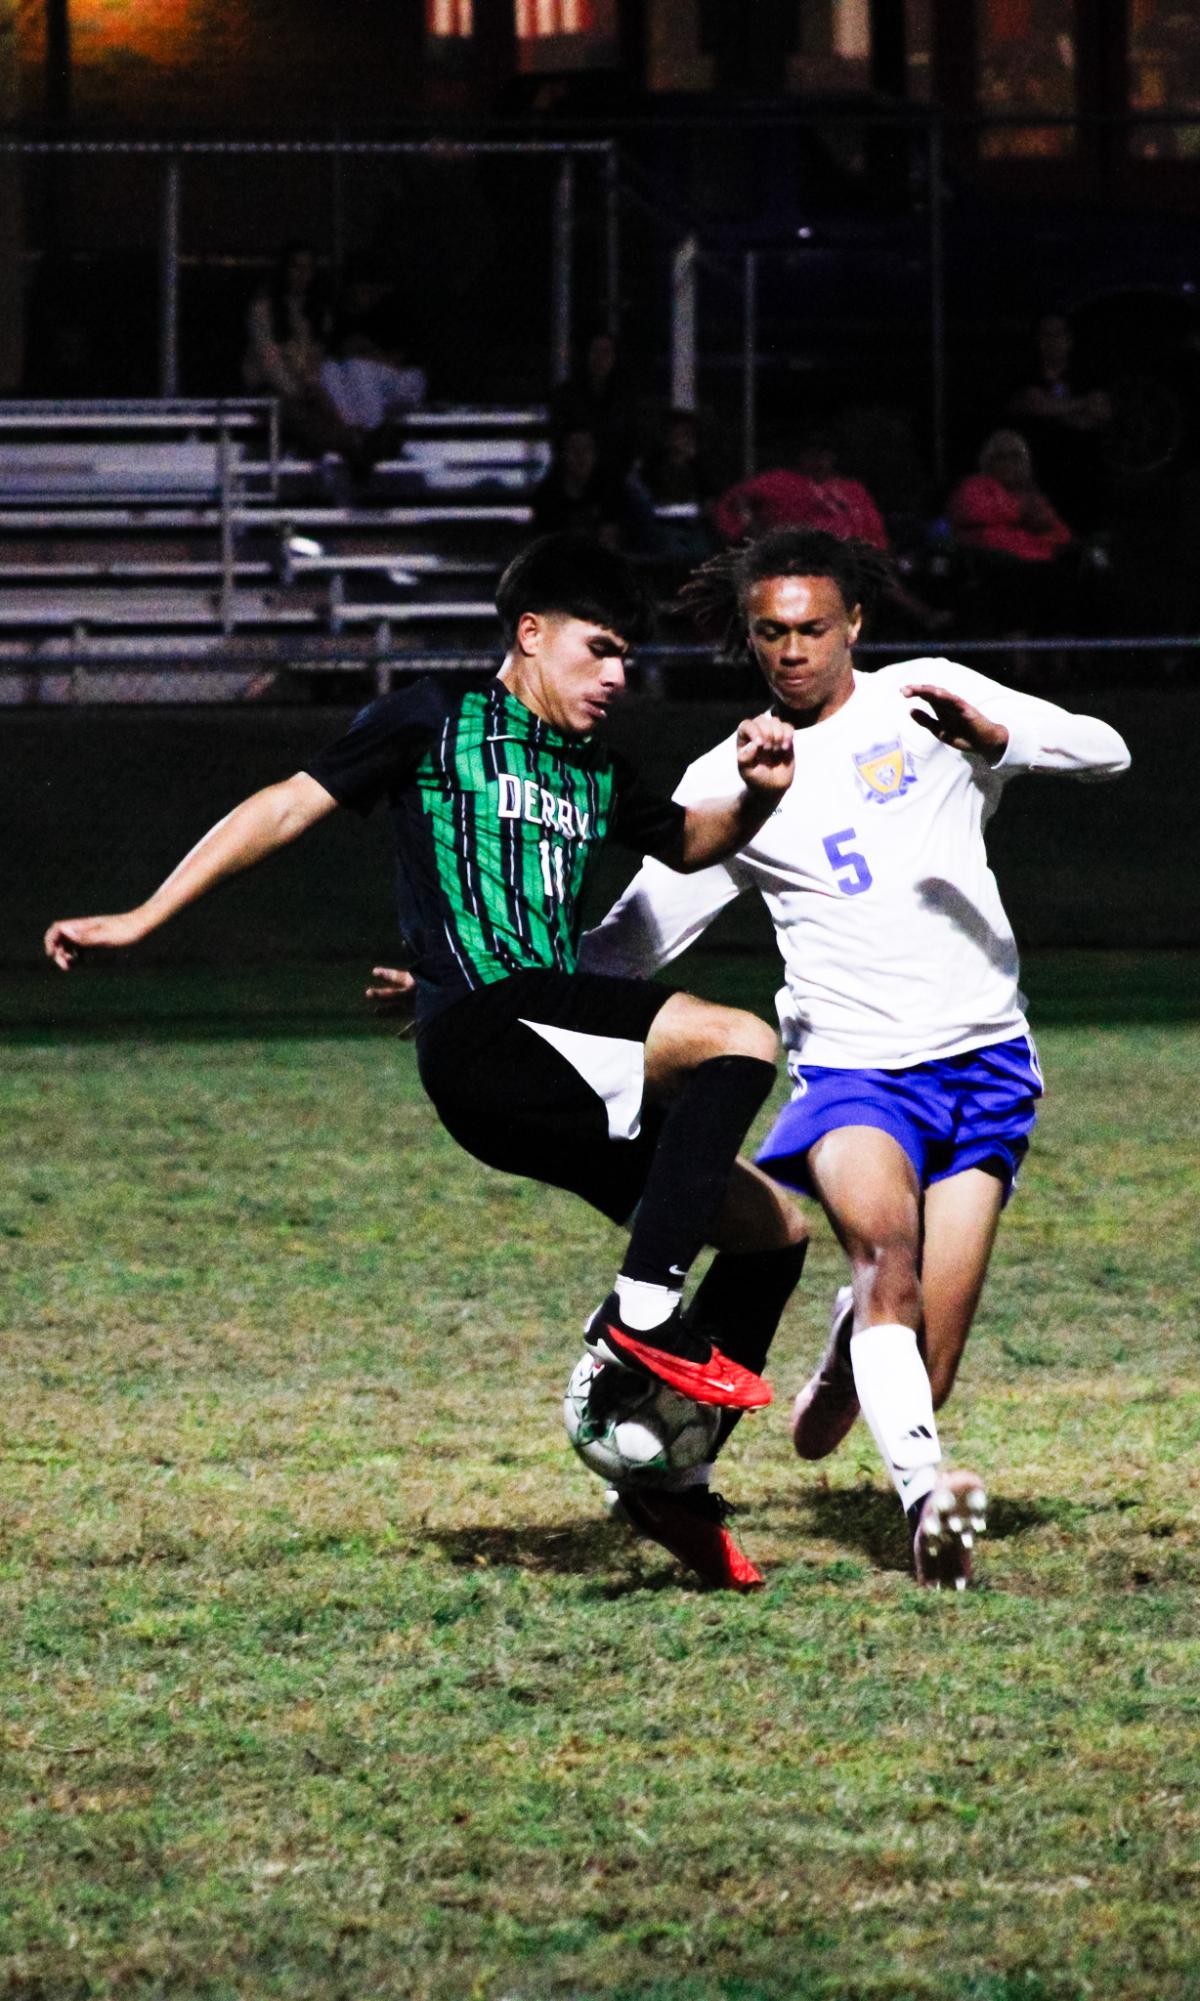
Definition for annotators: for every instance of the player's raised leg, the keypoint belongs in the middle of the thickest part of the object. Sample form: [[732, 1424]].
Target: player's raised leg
[[712, 1068], [871, 1193], [762, 1240]]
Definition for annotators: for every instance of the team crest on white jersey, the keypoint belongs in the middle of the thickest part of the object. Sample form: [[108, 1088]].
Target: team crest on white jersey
[[885, 771]]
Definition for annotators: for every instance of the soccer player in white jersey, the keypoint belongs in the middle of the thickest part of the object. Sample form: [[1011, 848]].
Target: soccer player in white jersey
[[914, 1078]]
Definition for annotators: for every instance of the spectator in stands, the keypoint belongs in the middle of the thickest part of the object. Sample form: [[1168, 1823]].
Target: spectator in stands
[[1062, 422], [1001, 509], [810, 493], [596, 398], [368, 375], [1021, 545], [287, 328], [578, 491], [674, 473]]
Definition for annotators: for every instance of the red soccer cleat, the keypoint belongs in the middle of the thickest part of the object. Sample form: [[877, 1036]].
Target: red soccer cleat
[[690, 1524], [712, 1380]]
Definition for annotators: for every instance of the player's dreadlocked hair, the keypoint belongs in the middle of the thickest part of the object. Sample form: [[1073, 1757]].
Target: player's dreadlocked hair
[[715, 597]]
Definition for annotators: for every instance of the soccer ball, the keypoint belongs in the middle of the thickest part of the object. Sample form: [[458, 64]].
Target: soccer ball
[[631, 1429]]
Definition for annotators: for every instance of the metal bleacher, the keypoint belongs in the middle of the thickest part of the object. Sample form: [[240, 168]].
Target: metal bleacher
[[146, 535]]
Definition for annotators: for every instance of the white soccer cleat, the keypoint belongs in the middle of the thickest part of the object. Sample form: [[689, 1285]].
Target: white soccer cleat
[[827, 1406], [952, 1519]]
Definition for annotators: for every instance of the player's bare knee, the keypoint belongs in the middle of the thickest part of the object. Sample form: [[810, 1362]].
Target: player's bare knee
[[688, 1032], [745, 1034]]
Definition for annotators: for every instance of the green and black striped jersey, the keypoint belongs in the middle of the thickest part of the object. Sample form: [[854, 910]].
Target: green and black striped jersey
[[497, 816]]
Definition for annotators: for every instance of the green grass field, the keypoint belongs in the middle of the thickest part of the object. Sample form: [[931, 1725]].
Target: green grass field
[[322, 1673]]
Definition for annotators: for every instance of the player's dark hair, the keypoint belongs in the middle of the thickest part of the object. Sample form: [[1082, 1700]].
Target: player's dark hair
[[573, 576], [715, 597]]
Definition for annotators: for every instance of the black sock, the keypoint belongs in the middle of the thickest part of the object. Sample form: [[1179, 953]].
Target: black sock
[[739, 1304], [740, 1300], [702, 1131]]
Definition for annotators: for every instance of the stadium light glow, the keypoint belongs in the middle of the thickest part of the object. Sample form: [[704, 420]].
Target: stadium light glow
[[154, 31]]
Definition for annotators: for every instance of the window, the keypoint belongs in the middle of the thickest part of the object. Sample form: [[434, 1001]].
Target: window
[[450, 18], [1026, 58], [832, 47], [1164, 75], [566, 34], [538, 18]]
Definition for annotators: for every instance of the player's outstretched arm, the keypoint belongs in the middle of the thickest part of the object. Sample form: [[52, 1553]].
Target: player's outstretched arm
[[1014, 732], [955, 721], [718, 828], [266, 821], [659, 915]]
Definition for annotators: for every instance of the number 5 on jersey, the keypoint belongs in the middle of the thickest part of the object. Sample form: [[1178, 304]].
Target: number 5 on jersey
[[850, 870]]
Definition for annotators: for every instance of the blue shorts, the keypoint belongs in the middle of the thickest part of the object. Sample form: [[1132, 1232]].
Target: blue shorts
[[973, 1110]]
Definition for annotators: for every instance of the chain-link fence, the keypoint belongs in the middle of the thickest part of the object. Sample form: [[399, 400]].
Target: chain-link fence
[[499, 252]]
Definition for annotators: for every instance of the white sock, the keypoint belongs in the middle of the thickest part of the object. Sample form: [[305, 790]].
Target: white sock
[[645, 1306], [893, 1390]]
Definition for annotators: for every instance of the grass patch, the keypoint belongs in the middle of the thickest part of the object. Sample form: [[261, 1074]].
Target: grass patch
[[322, 1673]]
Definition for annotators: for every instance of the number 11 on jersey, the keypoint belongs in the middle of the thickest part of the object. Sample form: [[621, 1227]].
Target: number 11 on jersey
[[554, 870]]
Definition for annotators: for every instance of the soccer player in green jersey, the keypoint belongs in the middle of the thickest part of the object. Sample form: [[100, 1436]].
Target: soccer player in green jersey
[[501, 790]]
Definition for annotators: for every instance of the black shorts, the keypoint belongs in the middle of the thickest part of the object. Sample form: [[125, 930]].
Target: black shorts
[[541, 1075]]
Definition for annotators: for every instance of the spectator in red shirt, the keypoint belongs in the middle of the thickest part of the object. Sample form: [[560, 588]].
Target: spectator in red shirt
[[1001, 508], [809, 494], [813, 494], [1024, 577]]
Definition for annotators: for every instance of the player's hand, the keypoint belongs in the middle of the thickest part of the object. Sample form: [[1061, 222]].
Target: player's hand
[[956, 723], [393, 995], [70, 936], [765, 754]]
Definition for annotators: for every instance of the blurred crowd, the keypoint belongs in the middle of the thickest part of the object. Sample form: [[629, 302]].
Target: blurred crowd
[[1056, 527], [1052, 525], [1072, 508]]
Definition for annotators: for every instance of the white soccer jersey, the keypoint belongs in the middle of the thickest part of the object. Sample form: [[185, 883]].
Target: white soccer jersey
[[895, 943]]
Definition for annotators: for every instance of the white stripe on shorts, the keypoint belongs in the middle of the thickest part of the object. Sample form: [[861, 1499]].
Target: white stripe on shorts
[[610, 1066]]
